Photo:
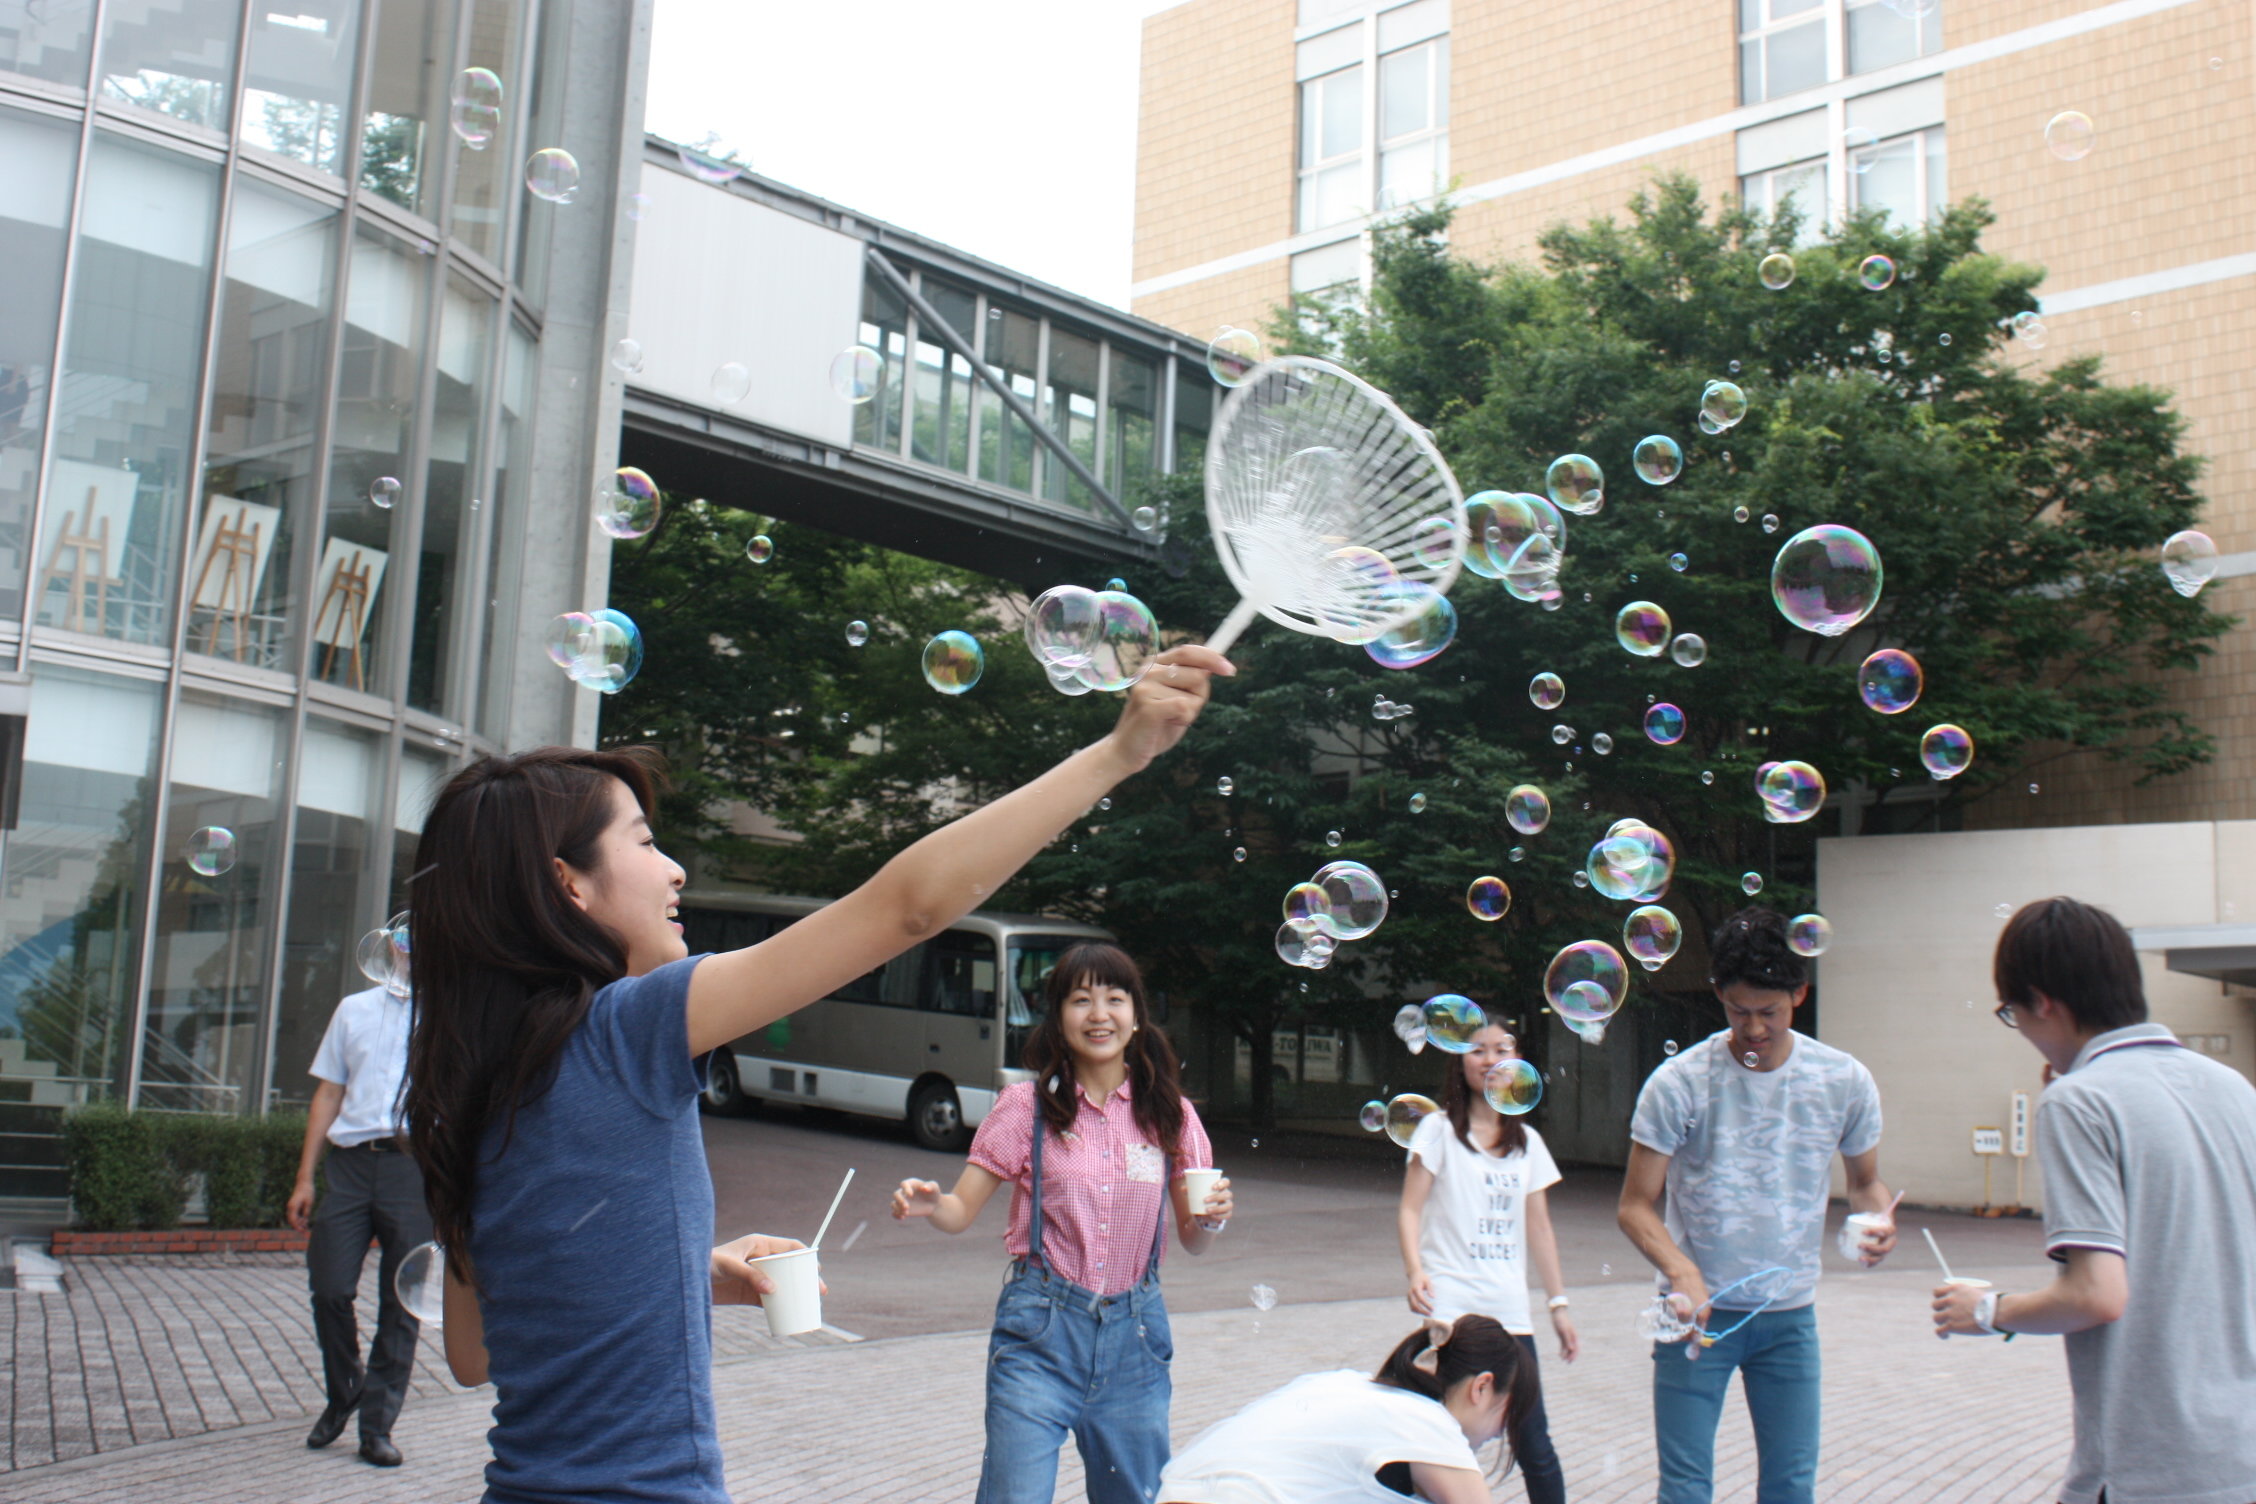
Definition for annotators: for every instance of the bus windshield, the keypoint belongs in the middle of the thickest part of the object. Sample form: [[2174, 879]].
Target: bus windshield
[[1032, 958]]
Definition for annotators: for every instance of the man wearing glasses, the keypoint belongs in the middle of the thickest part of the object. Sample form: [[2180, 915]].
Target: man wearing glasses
[[2149, 1159]]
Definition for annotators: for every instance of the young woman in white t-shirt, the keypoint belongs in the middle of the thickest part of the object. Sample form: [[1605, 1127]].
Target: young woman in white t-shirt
[[1473, 1210], [1414, 1427]]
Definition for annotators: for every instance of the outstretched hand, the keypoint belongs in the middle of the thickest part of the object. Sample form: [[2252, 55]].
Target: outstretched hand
[[1164, 702]]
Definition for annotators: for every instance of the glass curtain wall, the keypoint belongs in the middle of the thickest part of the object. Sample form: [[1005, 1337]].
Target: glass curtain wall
[[1131, 426], [484, 176], [38, 157], [404, 128], [450, 513], [1069, 407], [942, 433], [511, 484], [175, 58], [297, 92], [338, 865], [1006, 443], [885, 329], [50, 40]]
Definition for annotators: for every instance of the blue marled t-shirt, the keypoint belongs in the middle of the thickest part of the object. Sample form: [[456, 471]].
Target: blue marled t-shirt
[[593, 1239]]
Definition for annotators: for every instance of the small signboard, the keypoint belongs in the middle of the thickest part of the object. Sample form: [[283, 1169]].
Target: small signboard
[[1989, 1141], [2018, 1137]]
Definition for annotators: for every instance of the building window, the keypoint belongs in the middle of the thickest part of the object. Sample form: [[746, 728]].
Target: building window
[[1905, 176], [1802, 183], [1332, 188], [1381, 80], [1786, 46], [1413, 123], [1881, 34]]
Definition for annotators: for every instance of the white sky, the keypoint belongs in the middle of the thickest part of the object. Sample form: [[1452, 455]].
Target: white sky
[[1006, 128]]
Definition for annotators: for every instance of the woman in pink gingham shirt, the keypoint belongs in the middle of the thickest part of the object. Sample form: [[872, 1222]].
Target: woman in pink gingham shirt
[[1095, 1149]]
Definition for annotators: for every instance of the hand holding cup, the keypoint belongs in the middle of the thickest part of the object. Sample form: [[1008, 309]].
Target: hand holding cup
[[736, 1282]]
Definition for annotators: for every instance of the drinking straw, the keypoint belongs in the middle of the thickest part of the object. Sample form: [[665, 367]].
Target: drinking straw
[[841, 1196], [1930, 1237]]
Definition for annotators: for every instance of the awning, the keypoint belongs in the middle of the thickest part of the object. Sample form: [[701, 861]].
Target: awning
[[2221, 952]]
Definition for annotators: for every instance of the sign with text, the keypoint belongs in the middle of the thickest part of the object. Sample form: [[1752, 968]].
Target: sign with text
[[2019, 1133], [1989, 1141]]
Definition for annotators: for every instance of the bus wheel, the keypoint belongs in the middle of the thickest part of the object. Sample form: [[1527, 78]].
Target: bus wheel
[[936, 1117], [723, 1095]]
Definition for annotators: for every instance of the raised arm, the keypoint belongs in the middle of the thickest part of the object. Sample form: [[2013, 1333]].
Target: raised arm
[[1639, 1215], [944, 876]]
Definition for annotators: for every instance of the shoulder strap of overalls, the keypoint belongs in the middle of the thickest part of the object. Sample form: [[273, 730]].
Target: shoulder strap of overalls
[[1166, 1204], [1034, 1227]]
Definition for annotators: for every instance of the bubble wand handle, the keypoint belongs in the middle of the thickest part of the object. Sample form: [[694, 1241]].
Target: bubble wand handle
[[1233, 626]]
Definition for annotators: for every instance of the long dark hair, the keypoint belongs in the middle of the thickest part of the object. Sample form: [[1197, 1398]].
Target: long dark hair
[[1155, 1077], [1457, 1101], [1475, 1345], [505, 964]]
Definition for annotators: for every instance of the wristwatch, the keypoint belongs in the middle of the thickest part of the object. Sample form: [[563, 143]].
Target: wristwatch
[[1559, 1302], [1210, 1224], [1985, 1313]]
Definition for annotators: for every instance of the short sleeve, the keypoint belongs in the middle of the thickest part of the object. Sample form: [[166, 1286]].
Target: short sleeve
[[638, 1029], [1860, 1121], [2083, 1173], [1004, 1145], [1196, 1151], [1542, 1169], [1429, 1143], [1663, 1108], [329, 1060]]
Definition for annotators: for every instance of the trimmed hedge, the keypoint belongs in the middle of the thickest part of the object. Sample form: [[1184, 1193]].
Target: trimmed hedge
[[131, 1170]]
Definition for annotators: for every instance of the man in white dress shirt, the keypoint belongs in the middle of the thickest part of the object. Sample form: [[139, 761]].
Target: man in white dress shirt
[[375, 1191]]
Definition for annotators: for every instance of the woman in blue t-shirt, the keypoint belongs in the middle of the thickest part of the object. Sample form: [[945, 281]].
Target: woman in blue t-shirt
[[552, 1095]]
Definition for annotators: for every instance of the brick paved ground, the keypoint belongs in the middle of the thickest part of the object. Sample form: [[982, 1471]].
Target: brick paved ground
[[1907, 1418]]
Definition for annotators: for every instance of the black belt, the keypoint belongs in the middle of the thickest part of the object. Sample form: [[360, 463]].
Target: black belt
[[380, 1146]]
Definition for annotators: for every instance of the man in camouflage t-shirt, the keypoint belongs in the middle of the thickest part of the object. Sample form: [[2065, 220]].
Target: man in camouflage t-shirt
[[1741, 1130]]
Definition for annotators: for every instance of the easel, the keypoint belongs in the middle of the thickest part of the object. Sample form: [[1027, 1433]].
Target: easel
[[233, 598], [348, 587], [80, 543]]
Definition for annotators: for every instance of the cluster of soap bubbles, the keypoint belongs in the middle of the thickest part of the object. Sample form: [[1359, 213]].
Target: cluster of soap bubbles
[[1586, 984], [1792, 791], [1343, 901], [600, 649], [1090, 639], [1520, 539], [1384, 709], [1399, 1117], [382, 955], [1631, 863]]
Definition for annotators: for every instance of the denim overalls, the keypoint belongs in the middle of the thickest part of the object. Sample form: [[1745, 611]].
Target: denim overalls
[[1066, 1359]]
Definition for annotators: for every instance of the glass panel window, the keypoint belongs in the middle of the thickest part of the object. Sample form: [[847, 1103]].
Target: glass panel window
[[1331, 149], [1131, 425], [1782, 48], [1880, 35], [1406, 93], [300, 81], [1069, 407], [374, 437], [885, 329], [512, 478], [450, 511], [484, 179], [943, 391], [1194, 415], [272, 358], [71, 897], [1413, 123], [1803, 184], [545, 106], [959, 975], [126, 411], [203, 1050], [333, 890], [37, 156], [1006, 444], [1905, 180], [177, 59], [421, 776], [408, 90], [47, 39]]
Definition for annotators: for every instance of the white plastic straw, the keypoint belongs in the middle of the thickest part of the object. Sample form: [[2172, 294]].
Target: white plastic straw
[[841, 1196], [1930, 1237]]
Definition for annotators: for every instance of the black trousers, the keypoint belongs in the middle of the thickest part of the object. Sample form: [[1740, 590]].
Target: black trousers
[[373, 1193]]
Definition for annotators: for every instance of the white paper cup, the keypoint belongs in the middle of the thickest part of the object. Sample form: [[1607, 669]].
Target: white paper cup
[[1200, 1184], [1857, 1230], [1971, 1284], [795, 1304]]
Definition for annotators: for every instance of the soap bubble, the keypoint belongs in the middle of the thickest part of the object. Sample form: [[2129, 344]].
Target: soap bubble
[[1404, 1113], [953, 662], [1876, 273], [626, 503], [2068, 135], [1826, 579], [1632, 861], [1232, 354], [855, 373], [211, 851], [1144, 519], [1709, 425], [1357, 897], [420, 1281], [1890, 681], [1750, 1060], [1373, 1117], [553, 174], [1576, 484], [1776, 271], [1488, 898], [2189, 561], [1651, 935], [1496, 523], [1642, 629], [731, 381], [759, 548], [1527, 809], [1264, 1298], [1513, 1087], [1126, 639], [1422, 638], [1433, 542], [1591, 961], [1532, 573], [606, 654], [1417, 804], [1061, 626], [1303, 942], [1664, 724], [1306, 901], [1668, 1046], [1863, 147], [710, 159], [566, 637], [1808, 934], [1562, 734], [1740, 514], [1547, 691], [857, 633], [1657, 459], [2029, 329], [1795, 790], [1946, 750], [383, 493], [626, 356], [1707, 776], [1601, 744], [1225, 786], [1679, 563], [1067, 681], [474, 112], [375, 957], [1690, 649], [1410, 1026], [1452, 1021], [1723, 404], [1750, 883]]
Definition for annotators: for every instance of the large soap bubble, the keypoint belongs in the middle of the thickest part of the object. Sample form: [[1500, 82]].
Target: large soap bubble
[[1723, 404], [1793, 790], [1405, 1112], [1664, 724], [1576, 484], [1452, 1021], [1633, 861], [1946, 750], [1776, 271], [1826, 579], [1547, 691], [1232, 354], [1513, 1087], [1061, 626], [1890, 681], [1358, 899], [1585, 961], [1488, 898], [1421, 638], [1808, 934], [1642, 628], [953, 662], [1658, 459], [2189, 561], [626, 503], [1651, 935], [856, 372], [1125, 641], [1527, 809], [552, 174], [211, 851]]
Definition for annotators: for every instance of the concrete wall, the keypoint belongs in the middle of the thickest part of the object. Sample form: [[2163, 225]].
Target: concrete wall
[[1906, 985]]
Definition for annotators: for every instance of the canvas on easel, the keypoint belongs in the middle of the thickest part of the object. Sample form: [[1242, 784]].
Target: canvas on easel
[[82, 542], [230, 564], [345, 589]]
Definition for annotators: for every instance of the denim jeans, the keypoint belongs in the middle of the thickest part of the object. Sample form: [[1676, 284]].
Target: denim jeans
[[1063, 1359], [1531, 1441], [1776, 1354]]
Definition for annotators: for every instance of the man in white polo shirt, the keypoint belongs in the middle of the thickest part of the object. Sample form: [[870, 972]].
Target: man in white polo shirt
[[375, 1191]]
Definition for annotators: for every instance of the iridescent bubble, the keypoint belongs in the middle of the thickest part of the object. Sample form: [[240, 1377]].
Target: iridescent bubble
[[1723, 404], [1527, 809], [1354, 581], [953, 662], [1740, 514], [1061, 626], [759, 548], [1496, 523], [375, 957], [1422, 638], [2068, 135], [1876, 273], [1668, 1046], [1679, 563], [1264, 1298], [1632, 862], [857, 633], [1826, 579], [211, 850], [1795, 790], [552, 174], [1689, 649], [1863, 147], [710, 159], [1808, 934], [1373, 1117], [1516, 854], [1232, 354], [474, 111], [1452, 1021], [2029, 329], [1302, 941], [1707, 777], [1126, 640], [1709, 425], [1547, 691], [626, 503], [1306, 901], [1651, 935], [1488, 898], [1946, 750], [731, 382], [1591, 961], [420, 1280], [1657, 459], [383, 493], [1770, 522], [856, 372], [1601, 744], [1576, 484], [1562, 734], [1225, 787], [1776, 271], [1067, 681], [1433, 542], [1750, 883], [566, 637], [1890, 681], [1357, 897], [2189, 561], [1238, 854], [1532, 573], [1750, 1060], [1331, 838], [1144, 519], [1404, 1113], [626, 356], [1642, 629], [1513, 1087], [1664, 724], [1417, 804], [608, 654]]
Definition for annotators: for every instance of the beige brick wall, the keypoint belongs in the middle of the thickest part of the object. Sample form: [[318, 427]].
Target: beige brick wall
[[1248, 299]]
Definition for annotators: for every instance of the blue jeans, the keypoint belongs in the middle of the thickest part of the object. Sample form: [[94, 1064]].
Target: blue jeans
[[1063, 1359], [1538, 1462], [1777, 1355]]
